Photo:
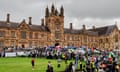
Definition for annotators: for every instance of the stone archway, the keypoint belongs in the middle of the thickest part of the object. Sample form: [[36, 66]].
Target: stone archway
[[57, 44], [23, 46]]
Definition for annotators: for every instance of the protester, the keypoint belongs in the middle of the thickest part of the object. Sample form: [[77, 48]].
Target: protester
[[49, 67], [33, 63], [59, 63], [69, 67]]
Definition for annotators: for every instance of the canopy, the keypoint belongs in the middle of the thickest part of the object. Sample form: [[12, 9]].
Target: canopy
[[51, 46]]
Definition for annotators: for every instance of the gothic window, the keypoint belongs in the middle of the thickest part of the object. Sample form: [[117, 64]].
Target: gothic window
[[36, 35], [2, 33], [13, 34], [116, 38], [23, 34], [30, 35]]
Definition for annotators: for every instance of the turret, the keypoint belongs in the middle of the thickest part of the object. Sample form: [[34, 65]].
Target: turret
[[47, 12], [61, 11], [56, 12], [52, 9]]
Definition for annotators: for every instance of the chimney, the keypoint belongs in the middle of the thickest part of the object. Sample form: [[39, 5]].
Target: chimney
[[8, 18], [94, 28], [84, 28], [30, 20], [42, 22], [71, 26]]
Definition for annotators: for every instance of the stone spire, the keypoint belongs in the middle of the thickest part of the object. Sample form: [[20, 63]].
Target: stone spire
[[56, 12], [61, 11], [47, 12], [52, 9]]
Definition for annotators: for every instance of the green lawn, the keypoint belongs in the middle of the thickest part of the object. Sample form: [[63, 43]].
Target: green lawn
[[24, 65]]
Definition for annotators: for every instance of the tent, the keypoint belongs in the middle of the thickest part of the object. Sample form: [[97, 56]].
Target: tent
[[51, 46]]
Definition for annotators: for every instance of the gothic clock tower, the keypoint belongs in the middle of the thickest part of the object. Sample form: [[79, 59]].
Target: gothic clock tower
[[55, 22]]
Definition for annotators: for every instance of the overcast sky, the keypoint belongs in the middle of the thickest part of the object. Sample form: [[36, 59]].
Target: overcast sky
[[79, 12]]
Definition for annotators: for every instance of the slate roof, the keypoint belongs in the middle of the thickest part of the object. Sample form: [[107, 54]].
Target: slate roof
[[96, 32], [3, 24], [14, 25], [93, 33], [72, 31], [104, 30]]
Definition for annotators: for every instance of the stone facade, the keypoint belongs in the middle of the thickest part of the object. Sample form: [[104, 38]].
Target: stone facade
[[52, 31]]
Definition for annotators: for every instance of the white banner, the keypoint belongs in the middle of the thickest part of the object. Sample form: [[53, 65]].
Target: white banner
[[10, 54]]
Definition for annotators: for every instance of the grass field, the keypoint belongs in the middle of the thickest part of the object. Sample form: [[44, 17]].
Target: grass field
[[19, 64], [24, 65]]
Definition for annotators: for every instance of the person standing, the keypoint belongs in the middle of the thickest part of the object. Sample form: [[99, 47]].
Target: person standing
[[59, 63], [33, 63], [76, 60], [49, 67]]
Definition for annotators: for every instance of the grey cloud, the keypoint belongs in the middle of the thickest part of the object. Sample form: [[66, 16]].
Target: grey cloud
[[76, 11], [94, 8]]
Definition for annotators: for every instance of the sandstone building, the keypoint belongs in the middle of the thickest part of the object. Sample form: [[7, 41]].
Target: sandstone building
[[51, 31]]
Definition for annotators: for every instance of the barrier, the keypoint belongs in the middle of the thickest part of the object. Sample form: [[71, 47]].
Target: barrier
[[10, 54]]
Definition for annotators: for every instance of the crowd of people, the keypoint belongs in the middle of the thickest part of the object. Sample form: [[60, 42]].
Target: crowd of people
[[87, 61], [104, 61]]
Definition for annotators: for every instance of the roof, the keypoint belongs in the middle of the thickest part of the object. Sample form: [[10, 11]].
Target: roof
[[94, 32], [13, 25], [4, 24], [104, 30], [72, 31]]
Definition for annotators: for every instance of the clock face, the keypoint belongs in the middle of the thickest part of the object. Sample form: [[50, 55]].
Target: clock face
[[57, 27]]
